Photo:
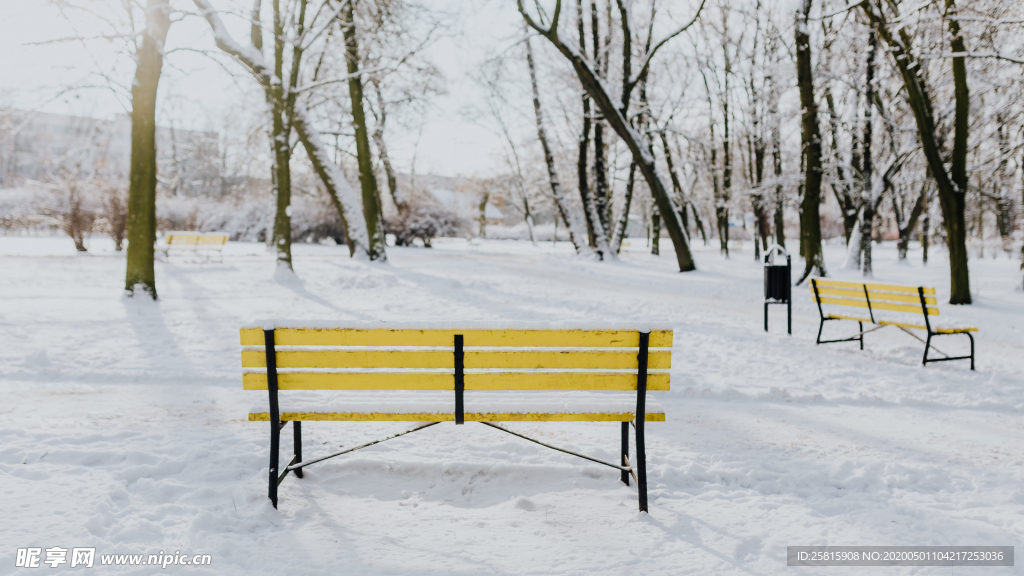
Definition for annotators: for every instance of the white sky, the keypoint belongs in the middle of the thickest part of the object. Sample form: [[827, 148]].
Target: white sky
[[197, 91]]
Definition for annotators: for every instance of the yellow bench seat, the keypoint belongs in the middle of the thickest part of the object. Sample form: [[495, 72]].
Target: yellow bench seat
[[479, 407], [940, 330]]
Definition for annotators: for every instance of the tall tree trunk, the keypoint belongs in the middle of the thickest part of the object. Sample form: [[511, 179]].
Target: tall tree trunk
[[951, 184], [582, 164], [655, 231], [382, 149], [869, 202], [810, 222], [779, 196], [623, 222], [722, 207], [140, 274], [1002, 184], [280, 130], [600, 182], [926, 230], [843, 190], [577, 232], [367, 179], [907, 225], [677, 186]]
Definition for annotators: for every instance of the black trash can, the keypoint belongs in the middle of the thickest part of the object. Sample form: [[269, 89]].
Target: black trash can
[[778, 284]]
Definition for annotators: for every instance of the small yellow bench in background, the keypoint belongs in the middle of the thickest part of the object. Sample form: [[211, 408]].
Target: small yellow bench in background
[[193, 242], [914, 306], [456, 375]]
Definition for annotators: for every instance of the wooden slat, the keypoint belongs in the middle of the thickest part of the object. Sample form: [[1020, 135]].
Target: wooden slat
[[351, 359], [195, 240], [871, 286], [552, 381], [905, 324], [562, 381], [449, 417], [406, 337], [879, 305], [351, 381], [876, 296], [588, 359]]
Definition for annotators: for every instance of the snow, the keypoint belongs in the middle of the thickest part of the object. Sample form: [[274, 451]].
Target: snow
[[125, 423]]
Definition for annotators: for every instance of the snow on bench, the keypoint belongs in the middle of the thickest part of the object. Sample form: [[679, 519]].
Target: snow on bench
[[320, 372], [905, 307]]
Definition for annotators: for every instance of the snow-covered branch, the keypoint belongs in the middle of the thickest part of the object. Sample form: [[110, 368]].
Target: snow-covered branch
[[646, 59]]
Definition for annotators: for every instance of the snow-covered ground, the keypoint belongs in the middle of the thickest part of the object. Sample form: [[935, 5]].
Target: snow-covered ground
[[124, 422]]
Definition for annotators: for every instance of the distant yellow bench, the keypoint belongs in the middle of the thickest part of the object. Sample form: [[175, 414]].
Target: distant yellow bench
[[880, 300], [456, 375], [193, 242]]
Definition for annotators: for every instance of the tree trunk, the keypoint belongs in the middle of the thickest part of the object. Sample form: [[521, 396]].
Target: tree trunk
[[602, 199], [627, 200], [577, 232], [1001, 195], [367, 179], [140, 274], [382, 150], [842, 189], [907, 225], [280, 131], [952, 184], [868, 201], [655, 231], [810, 222]]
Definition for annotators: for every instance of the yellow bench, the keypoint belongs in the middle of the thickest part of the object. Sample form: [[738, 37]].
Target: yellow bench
[[456, 375], [193, 242], [879, 300]]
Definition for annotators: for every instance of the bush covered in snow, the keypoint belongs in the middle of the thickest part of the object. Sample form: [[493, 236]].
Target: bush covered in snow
[[424, 220]]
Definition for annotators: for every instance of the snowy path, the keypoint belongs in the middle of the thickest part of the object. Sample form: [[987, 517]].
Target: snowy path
[[124, 422]]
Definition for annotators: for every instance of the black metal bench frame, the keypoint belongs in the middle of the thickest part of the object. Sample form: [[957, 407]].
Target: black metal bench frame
[[860, 335], [296, 464]]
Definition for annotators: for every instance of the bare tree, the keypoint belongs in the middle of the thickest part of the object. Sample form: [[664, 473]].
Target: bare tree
[[810, 138], [140, 274], [616, 117], [577, 231]]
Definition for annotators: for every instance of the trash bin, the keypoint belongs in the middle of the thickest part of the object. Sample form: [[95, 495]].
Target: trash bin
[[778, 283]]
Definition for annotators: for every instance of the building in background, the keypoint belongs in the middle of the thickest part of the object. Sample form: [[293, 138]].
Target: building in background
[[39, 145]]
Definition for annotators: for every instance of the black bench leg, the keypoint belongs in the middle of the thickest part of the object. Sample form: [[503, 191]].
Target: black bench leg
[[927, 345], [821, 326], [297, 433], [275, 446], [625, 452], [972, 349], [641, 464], [861, 326]]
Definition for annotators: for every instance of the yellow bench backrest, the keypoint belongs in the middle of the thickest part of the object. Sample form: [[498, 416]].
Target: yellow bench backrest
[[883, 296], [196, 240], [409, 359]]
